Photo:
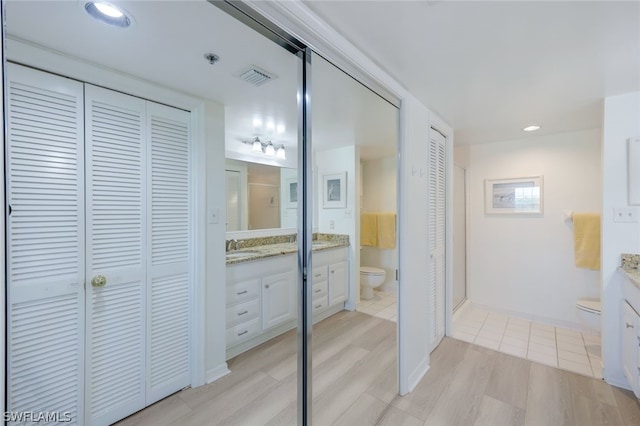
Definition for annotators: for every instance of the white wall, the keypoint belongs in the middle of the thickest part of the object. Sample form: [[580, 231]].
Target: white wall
[[524, 265], [345, 221], [215, 348], [621, 122], [379, 187]]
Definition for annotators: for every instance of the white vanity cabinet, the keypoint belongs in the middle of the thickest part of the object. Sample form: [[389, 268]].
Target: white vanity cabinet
[[278, 299], [630, 345], [320, 289], [338, 282], [261, 295], [630, 334], [330, 279], [260, 301]]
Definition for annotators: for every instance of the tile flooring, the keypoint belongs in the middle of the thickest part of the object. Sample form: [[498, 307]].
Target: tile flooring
[[555, 346], [383, 305]]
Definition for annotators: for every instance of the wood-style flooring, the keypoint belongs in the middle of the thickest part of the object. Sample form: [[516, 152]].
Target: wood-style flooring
[[354, 383]]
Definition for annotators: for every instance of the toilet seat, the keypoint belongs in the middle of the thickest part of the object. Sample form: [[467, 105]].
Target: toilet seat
[[368, 270], [588, 305]]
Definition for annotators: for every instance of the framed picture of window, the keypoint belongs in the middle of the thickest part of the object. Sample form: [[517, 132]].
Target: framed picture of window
[[513, 196], [292, 193], [334, 191]]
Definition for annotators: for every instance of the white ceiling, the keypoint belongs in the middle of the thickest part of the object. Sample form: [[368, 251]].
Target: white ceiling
[[166, 46], [492, 68]]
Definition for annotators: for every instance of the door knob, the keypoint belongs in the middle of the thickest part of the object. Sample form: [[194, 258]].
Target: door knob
[[98, 281]]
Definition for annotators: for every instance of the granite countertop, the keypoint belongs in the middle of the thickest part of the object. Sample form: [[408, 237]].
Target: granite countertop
[[631, 267], [267, 249]]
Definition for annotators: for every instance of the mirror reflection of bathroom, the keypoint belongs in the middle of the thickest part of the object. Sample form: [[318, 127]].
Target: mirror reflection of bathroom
[[354, 134]]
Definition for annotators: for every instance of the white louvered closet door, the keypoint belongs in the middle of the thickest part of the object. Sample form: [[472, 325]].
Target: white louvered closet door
[[115, 126], [168, 251], [437, 236], [45, 249]]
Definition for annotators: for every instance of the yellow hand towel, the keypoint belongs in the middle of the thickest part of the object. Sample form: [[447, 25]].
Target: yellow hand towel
[[387, 230], [586, 240], [369, 229]]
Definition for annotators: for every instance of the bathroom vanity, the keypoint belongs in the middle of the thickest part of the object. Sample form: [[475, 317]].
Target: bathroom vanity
[[630, 324], [261, 288]]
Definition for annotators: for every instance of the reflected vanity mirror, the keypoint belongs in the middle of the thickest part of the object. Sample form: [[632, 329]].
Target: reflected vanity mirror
[[260, 196]]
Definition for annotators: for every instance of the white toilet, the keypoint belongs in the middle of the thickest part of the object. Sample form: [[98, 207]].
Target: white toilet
[[589, 313], [370, 278]]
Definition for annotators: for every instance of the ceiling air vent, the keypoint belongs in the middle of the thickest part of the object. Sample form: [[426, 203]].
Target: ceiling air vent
[[256, 76]]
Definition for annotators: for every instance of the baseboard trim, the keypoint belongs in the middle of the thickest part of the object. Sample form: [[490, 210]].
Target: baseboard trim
[[617, 381], [217, 372], [418, 374]]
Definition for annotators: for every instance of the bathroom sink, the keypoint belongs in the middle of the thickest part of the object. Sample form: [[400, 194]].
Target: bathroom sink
[[241, 254]]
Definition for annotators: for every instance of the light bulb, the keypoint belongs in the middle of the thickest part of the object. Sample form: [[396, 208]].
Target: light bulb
[[109, 10], [280, 153], [270, 150], [257, 146]]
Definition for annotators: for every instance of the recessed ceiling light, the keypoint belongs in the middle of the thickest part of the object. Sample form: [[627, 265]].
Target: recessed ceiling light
[[531, 128], [109, 14]]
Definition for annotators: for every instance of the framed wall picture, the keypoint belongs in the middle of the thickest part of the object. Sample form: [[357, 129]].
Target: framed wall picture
[[334, 191], [513, 196], [292, 193]]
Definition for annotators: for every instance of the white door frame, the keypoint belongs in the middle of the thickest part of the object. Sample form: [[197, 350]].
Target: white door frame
[[466, 230]]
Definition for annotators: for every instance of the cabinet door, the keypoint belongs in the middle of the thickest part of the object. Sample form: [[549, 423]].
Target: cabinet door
[[278, 299], [338, 280], [116, 240], [629, 326], [168, 251], [45, 243]]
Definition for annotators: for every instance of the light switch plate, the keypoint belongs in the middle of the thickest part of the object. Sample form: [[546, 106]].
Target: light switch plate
[[625, 214], [214, 215]]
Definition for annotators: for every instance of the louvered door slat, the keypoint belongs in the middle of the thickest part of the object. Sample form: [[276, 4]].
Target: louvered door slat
[[437, 237], [45, 235], [116, 237], [168, 298]]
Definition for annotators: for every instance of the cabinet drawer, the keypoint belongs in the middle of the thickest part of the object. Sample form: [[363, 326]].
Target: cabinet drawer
[[243, 332], [320, 290], [319, 304], [242, 291], [243, 312], [319, 274]]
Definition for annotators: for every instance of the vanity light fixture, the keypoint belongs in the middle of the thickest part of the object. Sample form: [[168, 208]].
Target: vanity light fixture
[[109, 14], [267, 148], [531, 128]]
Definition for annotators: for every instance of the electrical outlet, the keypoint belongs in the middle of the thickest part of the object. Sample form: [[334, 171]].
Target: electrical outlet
[[332, 224], [347, 213], [625, 214]]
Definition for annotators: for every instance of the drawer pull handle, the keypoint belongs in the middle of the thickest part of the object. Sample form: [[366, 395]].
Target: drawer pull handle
[[318, 290], [629, 325], [318, 306], [243, 312], [241, 292], [244, 332], [266, 286], [317, 275], [333, 272]]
